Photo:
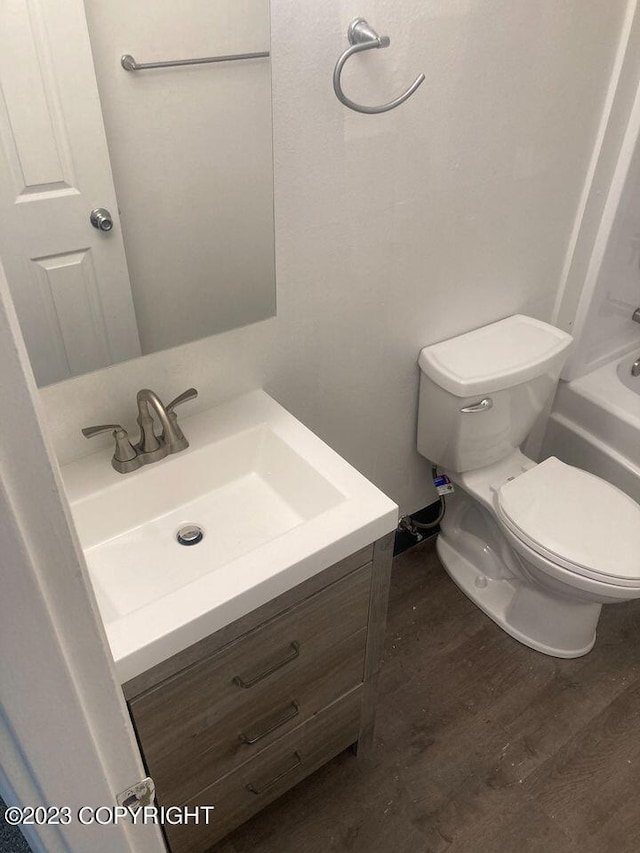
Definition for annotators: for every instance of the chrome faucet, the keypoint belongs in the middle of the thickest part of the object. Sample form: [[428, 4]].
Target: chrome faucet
[[150, 447]]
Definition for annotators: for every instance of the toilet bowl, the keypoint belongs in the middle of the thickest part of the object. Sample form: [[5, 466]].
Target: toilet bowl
[[539, 547]]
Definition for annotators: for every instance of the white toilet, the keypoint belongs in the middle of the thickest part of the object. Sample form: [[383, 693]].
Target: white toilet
[[539, 547]]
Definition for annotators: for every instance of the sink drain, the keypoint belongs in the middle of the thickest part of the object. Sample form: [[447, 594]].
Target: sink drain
[[190, 534]]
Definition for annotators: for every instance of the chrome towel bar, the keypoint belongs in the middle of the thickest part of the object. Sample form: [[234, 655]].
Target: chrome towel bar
[[129, 64], [363, 37]]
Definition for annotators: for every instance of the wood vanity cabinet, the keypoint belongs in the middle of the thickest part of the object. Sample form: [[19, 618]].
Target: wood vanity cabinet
[[242, 716]]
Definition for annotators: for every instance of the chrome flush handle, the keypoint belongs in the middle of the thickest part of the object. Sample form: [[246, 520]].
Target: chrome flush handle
[[482, 406]]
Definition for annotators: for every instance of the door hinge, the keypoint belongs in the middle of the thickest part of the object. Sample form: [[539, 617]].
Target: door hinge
[[140, 794]]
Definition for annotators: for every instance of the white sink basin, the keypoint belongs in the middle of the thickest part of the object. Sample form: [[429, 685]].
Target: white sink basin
[[276, 506]]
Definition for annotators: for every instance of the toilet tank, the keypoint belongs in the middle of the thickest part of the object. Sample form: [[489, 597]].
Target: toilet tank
[[481, 392]]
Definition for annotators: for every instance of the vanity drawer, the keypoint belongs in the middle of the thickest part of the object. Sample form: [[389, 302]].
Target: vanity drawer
[[202, 723], [241, 794]]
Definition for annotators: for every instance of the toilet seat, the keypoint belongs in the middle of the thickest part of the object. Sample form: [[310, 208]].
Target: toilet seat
[[575, 520]]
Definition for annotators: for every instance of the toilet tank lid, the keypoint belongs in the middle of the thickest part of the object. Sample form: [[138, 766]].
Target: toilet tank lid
[[494, 357]]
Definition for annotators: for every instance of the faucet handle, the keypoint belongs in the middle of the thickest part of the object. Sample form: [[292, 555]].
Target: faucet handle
[[124, 452], [189, 394], [89, 432], [178, 440]]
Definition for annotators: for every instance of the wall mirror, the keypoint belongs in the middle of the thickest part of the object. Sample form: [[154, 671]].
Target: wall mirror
[[178, 158]]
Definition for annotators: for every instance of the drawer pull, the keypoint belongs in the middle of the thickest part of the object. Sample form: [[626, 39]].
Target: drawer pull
[[251, 787], [293, 709], [294, 652]]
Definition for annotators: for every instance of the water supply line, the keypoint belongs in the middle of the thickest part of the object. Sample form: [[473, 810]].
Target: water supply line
[[410, 525]]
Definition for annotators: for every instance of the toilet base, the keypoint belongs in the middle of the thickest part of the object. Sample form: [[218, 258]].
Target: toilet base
[[549, 624]]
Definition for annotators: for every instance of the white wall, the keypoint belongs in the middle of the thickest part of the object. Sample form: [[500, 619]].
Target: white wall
[[191, 156], [397, 230]]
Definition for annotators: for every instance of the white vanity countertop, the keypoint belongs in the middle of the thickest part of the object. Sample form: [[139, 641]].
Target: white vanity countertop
[[277, 506]]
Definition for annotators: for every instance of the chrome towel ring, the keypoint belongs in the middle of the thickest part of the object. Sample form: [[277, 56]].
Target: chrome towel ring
[[363, 37]]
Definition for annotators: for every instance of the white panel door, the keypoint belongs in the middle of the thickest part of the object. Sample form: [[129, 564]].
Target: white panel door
[[69, 281]]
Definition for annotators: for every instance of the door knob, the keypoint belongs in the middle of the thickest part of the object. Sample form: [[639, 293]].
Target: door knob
[[101, 219]]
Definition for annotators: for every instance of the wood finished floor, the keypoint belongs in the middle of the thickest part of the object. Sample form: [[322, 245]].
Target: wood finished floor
[[482, 745]]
